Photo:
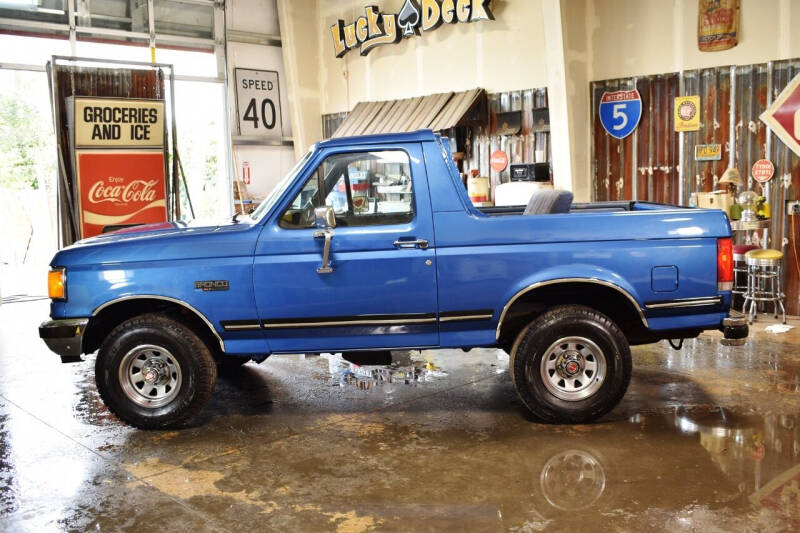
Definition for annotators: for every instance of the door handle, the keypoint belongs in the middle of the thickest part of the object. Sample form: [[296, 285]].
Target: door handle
[[417, 243], [325, 267]]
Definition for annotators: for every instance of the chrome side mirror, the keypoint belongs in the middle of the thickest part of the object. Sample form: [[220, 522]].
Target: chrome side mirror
[[324, 218]]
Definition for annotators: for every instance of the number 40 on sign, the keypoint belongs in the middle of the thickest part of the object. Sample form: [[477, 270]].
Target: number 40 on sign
[[620, 112], [258, 103]]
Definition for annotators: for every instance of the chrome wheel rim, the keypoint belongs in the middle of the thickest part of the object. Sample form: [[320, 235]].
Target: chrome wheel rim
[[573, 368], [150, 376]]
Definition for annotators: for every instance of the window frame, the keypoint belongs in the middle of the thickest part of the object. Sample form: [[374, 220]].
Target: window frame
[[316, 174]]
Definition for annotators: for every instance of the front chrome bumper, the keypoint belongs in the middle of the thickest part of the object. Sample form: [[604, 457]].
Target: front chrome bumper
[[734, 329], [64, 337]]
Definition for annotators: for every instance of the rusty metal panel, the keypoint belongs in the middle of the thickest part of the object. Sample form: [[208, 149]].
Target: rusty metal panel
[[383, 121], [428, 109], [354, 116], [659, 165], [455, 109], [414, 108]]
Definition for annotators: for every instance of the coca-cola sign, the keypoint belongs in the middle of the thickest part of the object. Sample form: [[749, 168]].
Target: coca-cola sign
[[134, 191], [120, 188]]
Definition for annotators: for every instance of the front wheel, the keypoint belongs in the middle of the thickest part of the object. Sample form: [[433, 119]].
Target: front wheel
[[154, 372], [572, 364]]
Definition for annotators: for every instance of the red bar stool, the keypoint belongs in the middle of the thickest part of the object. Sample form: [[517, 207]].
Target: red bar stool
[[763, 282], [740, 267]]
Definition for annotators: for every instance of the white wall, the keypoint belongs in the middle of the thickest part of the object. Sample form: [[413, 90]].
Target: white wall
[[600, 39], [635, 37], [301, 56], [268, 164], [501, 55]]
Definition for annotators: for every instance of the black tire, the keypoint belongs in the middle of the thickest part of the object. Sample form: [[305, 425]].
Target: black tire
[[585, 395], [158, 340]]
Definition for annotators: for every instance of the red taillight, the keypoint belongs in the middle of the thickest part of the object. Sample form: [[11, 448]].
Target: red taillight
[[724, 264]]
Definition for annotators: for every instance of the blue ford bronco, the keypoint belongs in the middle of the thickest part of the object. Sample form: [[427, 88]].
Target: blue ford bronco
[[371, 244]]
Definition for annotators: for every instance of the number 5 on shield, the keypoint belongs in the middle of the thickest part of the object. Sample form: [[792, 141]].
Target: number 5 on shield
[[618, 112]]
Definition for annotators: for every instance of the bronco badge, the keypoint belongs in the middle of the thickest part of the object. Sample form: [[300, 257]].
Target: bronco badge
[[212, 285]]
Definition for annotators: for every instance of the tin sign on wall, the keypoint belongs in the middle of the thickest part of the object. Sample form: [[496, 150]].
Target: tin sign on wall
[[498, 161], [763, 170], [120, 187], [687, 113], [258, 103], [707, 152], [620, 112], [783, 116], [118, 123]]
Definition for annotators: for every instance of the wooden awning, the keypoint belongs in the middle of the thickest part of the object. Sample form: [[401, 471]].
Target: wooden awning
[[436, 112]]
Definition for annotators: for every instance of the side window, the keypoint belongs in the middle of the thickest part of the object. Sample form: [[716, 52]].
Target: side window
[[363, 188]]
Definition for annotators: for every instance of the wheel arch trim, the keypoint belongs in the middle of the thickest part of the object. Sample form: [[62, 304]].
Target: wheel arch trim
[[556, 281], [170, 299]]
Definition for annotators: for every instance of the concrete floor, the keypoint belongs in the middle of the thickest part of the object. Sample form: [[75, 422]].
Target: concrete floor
[[707, 439]]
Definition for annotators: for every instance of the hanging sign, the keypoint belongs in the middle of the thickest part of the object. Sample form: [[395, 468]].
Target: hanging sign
[[620, 112], [707, 152], [763, 170], [687, 113], [717, 24], [120, 187], [498, 161], [118, 123], [376, 28], [258, 103], [783, 116]]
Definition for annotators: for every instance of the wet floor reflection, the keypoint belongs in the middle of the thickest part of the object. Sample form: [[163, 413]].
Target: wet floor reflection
[[572, 480], [8, 500], [705, 440]]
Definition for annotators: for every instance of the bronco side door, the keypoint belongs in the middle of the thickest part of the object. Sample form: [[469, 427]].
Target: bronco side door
[[379, 288]]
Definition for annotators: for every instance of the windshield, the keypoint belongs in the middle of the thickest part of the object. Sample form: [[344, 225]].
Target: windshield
[[277, 192]]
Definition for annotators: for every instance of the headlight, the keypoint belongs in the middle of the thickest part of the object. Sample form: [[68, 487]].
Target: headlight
[[57, 283]]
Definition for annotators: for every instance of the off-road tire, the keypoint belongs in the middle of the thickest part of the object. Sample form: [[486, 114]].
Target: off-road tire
[[548, 328], [192, 355]]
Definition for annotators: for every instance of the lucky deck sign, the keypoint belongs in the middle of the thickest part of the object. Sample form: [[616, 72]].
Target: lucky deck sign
[[120, 187], [376, 28], [620, 112]]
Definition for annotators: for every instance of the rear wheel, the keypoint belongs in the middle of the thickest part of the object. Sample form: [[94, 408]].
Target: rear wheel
[[572, 364], [154, 372]]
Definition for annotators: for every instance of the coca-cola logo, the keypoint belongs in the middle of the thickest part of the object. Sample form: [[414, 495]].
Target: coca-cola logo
[[116, 191]]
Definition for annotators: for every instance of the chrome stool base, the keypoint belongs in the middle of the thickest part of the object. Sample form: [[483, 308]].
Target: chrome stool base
[[763, 283]]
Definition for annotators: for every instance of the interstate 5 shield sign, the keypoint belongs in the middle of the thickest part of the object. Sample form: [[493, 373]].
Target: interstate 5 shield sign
[[620, 112]]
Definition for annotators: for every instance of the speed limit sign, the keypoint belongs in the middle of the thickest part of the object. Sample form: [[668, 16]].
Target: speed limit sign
[[258, 102]]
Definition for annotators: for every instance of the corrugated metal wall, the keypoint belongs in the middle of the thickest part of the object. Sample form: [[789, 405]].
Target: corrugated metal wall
[[655, 163], [530, 145]]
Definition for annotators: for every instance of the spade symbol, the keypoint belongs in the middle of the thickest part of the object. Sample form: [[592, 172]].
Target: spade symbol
[[408, 18]]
